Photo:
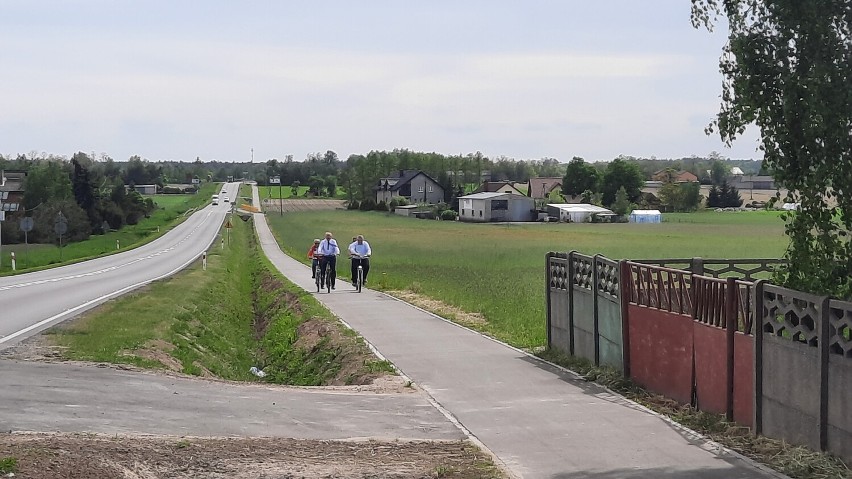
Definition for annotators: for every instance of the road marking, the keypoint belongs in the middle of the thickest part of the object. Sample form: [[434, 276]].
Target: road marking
[[113, 294], [106, 270]]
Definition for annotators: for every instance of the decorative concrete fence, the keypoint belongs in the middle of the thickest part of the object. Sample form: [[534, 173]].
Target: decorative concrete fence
[[803, 369], [772, 358]]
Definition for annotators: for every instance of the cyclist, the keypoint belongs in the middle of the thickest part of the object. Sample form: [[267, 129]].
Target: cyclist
[[314, 257], [359, 253], [329, 250]]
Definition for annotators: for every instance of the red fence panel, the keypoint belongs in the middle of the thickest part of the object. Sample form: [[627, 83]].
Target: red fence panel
[[711, 368], [661, 351]]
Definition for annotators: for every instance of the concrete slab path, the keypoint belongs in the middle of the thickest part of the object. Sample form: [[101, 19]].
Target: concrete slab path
[[540, 421], [46, 397]]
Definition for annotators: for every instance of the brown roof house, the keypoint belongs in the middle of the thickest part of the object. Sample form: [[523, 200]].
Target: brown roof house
[[674, 176], [541, 187], [498, 187]]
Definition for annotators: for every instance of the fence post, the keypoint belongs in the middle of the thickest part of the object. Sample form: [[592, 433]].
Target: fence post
[[547, 279], [626, 290], [596, 327], [697, 266], [758, 356], [823, 372], [731, 320], [570, 258]]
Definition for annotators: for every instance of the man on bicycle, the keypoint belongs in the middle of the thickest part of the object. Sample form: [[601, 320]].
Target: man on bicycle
[[328, 250], [359, 253]]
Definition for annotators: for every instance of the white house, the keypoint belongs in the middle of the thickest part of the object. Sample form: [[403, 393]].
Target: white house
[[484, 207], [575, 212], [646, 216]]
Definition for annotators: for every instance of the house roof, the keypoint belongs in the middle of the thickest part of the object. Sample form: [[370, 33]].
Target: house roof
[[580, 207], [401, 178], [489, 195], [736, 170], [677, 175], [542, 184], [493, 186]]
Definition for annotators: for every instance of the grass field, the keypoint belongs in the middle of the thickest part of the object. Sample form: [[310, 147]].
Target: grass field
[[498, 270], [286, 192], [168, 214], [237, 314]]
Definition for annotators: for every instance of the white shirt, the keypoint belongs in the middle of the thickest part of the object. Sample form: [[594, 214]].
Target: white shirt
[[362, 249], [328, 247]]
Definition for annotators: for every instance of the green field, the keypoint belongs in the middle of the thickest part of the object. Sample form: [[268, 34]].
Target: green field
[[169, 213], [498, 270], [285, 191]]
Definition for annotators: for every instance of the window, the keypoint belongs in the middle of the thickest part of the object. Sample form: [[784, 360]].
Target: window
[[497, 205], [480, 213], [431, 189], [420, 189]]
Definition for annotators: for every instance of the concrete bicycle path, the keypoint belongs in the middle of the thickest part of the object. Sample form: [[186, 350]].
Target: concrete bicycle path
[[540, 421]]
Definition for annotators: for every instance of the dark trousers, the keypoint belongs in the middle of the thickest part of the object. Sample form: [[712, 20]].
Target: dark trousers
[[329, 262], [314, 266], [364, 263]]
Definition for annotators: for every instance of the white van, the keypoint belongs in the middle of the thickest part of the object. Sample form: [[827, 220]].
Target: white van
[[215, 199]]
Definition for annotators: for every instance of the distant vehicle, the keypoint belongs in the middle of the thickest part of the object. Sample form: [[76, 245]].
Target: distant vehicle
[[226, 199], [215, 199]]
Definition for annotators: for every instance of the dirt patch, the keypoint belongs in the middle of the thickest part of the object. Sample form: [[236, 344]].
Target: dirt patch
[[35, 348], [264, 313], [86, 456], [440, 308], [157, 350]]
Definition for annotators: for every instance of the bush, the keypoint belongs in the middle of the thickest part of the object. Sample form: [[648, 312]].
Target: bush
[[381, 206], [172, 190], [393, 204], [353, 205], [449, 215], [401, 201], [367, 205]]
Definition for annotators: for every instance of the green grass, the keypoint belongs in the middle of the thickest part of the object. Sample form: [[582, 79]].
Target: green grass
[[170, 213], [498, 270], [238, 313], [8, 465], [275, 192]]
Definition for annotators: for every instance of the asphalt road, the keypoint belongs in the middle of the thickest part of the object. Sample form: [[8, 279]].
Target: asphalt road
[[32, 302]]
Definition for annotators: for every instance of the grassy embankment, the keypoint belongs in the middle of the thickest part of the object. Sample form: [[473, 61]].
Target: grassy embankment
[[498, 270], [169, 213], [238, 313]]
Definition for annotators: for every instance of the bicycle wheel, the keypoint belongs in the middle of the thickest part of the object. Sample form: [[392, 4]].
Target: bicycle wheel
[[318, 278], [360, 277]]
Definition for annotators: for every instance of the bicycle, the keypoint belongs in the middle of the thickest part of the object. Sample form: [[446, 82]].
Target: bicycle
[[328, 273], [359, 275], [317, 272]]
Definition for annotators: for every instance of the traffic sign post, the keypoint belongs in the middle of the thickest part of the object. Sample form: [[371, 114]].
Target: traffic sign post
[[228, 227], [27, 226], [60, 227], [204, 260]]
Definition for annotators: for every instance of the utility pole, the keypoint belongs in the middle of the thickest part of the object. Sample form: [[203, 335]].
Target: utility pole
[[252, 155]]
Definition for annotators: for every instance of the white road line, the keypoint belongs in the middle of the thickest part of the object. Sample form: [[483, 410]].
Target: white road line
[[105, 270], [113, 294]]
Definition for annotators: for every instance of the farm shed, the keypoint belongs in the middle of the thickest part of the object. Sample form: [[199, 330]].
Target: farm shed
[[575, 212], [482, 207], [646, 216]]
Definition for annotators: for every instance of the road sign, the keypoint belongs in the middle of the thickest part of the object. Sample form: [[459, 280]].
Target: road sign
[[27, 223], [274, 180], [228, 224], [196, 181], [60, 226]]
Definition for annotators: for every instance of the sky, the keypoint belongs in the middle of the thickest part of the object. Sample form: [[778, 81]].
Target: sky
[[253, 80]]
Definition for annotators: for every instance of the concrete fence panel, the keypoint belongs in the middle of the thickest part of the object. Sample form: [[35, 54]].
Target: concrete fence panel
[[839, 388]]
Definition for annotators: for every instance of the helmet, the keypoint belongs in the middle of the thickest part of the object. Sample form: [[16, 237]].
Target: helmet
[[316, 241]]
